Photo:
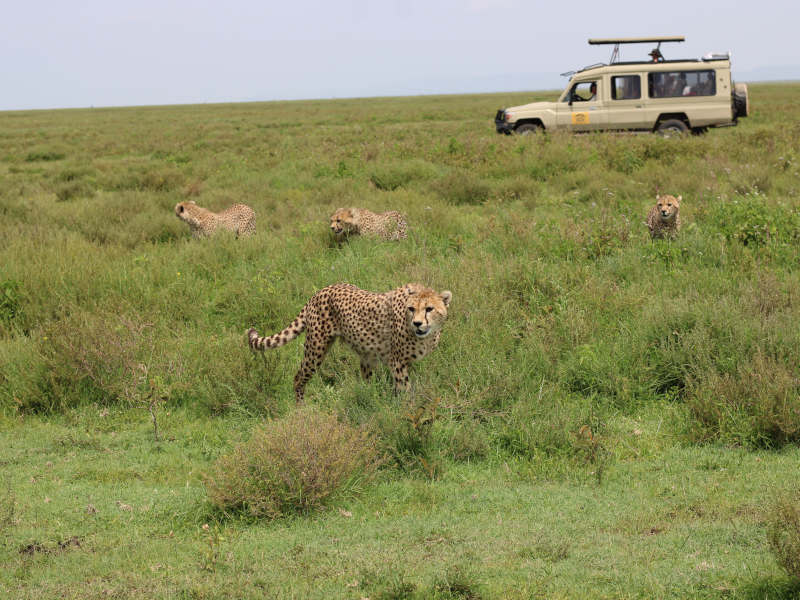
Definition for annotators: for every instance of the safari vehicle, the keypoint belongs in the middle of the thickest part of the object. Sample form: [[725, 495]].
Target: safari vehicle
[[658, 95]]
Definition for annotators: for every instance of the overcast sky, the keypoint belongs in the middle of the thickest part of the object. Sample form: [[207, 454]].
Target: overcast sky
[[118, 53]]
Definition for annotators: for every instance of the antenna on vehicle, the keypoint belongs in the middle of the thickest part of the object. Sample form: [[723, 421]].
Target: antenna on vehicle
[[655, 54]]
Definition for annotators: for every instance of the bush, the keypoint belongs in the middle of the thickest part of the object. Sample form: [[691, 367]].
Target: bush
[[9, 300], [783, 534], [74, 189], [396, 175], [407, 437], [96, 354], [752, 222], [293, 465], [462, 188], [757, 406], [44, 155]]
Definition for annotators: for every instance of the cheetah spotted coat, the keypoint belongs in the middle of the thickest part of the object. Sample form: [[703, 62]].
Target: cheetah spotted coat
[[360, 221], [239, 218], [664, 219], [396, 327]]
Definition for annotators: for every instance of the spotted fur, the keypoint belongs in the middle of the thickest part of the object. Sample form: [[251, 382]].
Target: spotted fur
[[664, 220], [239, 218], [396, 327], [360, 221]]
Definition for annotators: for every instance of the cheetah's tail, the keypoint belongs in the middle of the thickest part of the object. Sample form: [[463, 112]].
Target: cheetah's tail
[[297, 327]]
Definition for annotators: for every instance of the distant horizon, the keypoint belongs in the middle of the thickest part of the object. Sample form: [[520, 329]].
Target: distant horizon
[[790, 79]]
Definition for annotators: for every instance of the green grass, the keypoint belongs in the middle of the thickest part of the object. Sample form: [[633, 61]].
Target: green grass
[[606, 416]]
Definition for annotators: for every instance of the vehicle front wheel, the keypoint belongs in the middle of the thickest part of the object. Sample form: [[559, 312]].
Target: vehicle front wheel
[[672, 127], [528, 129]]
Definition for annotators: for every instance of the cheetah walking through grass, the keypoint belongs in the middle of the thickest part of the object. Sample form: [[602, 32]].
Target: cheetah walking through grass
[[360, 221], [239, 218], [396, 327]]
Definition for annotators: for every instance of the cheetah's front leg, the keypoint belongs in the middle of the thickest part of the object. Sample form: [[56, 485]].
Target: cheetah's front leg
[[400, 374], [367, 366]]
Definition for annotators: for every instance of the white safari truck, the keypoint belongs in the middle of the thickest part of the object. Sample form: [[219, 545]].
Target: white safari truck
[[659, 95]]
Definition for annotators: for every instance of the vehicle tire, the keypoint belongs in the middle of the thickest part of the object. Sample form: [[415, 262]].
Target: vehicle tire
[[741, 100], [528, 129], [672, 128]]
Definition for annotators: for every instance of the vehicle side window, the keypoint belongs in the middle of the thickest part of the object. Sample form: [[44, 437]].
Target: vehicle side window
[[671, 84], [626, 87], [582, 92]]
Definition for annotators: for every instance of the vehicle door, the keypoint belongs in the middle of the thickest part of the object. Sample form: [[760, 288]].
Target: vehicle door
[[626, 108], [582, 108]]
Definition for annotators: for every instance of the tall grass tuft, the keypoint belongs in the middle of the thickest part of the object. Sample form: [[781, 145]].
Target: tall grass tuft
[[293, 465], [783, 534], [757, 405]]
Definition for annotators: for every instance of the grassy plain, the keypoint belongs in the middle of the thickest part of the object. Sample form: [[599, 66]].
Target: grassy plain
[[606, 416]]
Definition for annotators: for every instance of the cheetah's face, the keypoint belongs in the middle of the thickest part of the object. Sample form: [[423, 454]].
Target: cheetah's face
[[343, 221], [182, 209], [426, 311], [668, 207]]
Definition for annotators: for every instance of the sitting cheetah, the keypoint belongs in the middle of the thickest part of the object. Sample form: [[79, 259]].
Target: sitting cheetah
[[663, 219], [350, 221], [239, 218], [396, 327]]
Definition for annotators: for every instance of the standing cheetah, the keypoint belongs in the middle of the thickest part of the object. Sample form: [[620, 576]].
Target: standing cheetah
[[663, 219], [351, 221], [239, 218], [396, 327]]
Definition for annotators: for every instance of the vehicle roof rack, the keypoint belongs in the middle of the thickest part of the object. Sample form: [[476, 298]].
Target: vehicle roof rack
[[655, 54]]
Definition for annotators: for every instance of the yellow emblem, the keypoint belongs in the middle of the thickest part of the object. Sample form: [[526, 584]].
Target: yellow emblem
[[580, 118]]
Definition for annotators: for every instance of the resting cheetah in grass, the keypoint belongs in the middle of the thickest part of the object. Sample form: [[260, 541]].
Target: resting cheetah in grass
[[351, 221], [663, 219], [239, 218], [395, 327]]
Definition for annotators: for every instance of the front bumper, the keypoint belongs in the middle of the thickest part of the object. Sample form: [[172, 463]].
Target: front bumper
[[500, 123]]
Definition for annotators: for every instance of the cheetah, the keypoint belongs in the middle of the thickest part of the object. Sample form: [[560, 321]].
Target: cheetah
[[663, 219], [239, 218], [351, 221], [396, 327]]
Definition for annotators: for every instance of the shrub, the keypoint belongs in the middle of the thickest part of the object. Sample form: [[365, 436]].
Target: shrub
[[407, 437], [396, 175], [293, 465], [143, 177], [752, 222], [456, 583], [757, 406], [783, 534], [74, 189], [44, 155], [462, 188], [9, 300], [103, 357]]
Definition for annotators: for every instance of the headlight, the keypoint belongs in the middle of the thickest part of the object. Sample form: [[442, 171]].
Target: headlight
[[507, 116]]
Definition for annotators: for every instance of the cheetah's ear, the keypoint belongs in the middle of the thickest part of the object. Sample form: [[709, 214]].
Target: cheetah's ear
[[447, 295], [680, 198], [658, 197]]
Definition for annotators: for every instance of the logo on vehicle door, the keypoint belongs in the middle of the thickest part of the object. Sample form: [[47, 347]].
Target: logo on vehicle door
[[580, 118]]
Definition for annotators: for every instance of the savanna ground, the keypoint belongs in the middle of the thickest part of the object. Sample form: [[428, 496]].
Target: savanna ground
[[606, 416]]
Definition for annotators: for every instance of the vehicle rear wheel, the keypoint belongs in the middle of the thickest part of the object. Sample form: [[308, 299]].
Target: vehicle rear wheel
[[672, 127], [528, 129]]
